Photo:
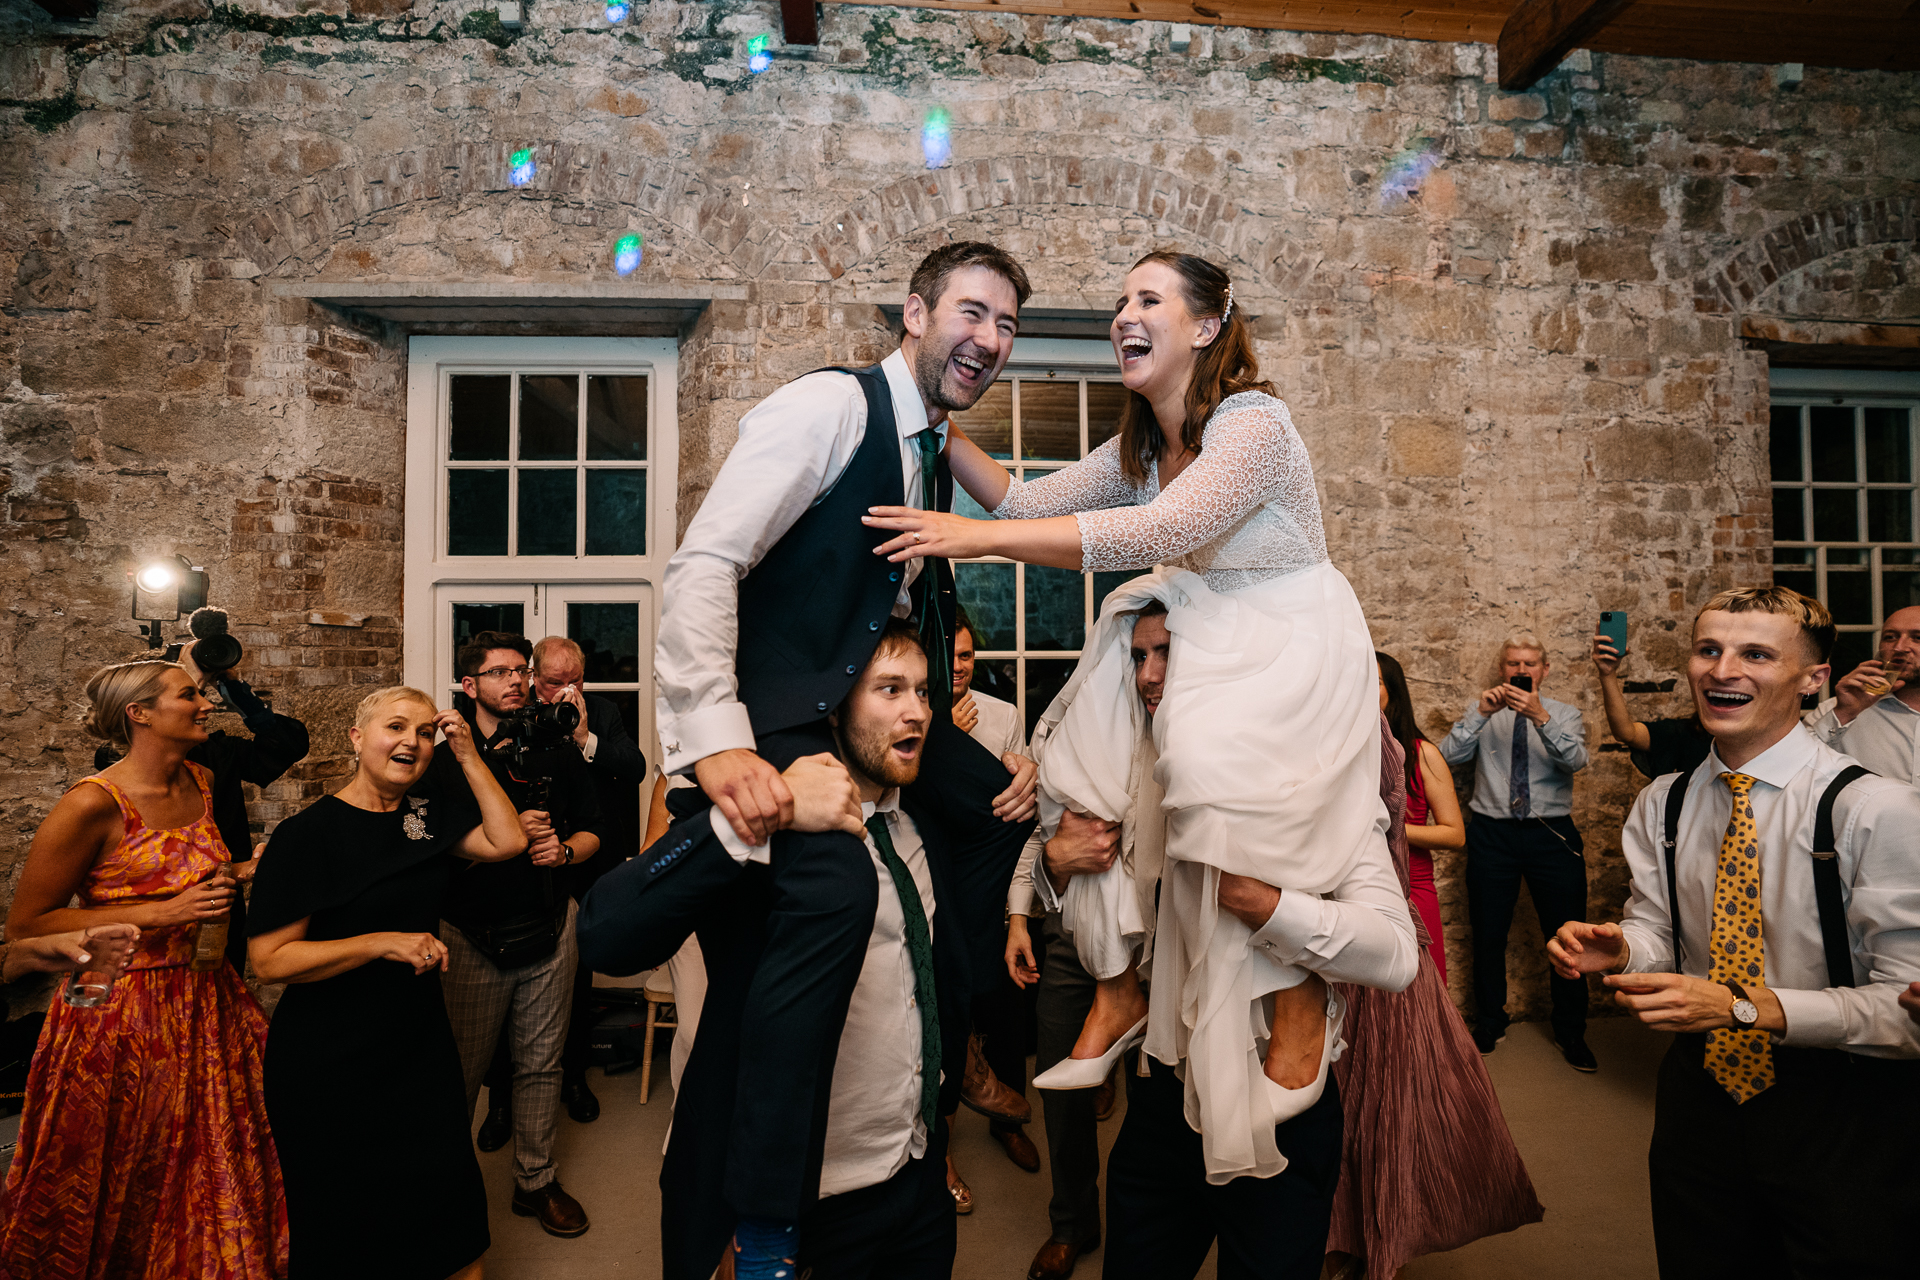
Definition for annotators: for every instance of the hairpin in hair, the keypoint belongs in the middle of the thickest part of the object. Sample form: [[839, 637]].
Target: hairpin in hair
[[1228, 313]]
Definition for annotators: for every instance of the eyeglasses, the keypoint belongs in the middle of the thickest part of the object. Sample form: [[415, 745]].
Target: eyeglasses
[[503, 673]]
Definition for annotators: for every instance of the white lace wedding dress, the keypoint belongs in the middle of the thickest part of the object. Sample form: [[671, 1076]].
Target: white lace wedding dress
[[1267, 733]]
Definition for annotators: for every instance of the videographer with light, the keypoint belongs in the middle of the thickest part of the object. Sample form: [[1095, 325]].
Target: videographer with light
[[510, 939]]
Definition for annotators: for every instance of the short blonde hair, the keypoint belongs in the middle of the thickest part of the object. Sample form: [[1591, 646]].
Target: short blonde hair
[[113, 689], [564, 645], [1521, 639], [1816, 624], [371, 704]]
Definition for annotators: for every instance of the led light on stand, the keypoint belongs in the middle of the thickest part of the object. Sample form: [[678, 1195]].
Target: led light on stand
[[616, 13], [520, 169], [626, 254], [936, 137], [758, 56], [157, 577]]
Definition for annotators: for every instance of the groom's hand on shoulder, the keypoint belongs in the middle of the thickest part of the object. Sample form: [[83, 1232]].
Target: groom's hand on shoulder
[[750, 793]]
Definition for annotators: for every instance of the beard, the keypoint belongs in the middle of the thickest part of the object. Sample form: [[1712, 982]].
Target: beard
[[872, 755], [930, 375]]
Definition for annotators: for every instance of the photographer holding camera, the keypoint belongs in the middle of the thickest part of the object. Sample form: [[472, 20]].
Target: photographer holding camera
[[509, 935]]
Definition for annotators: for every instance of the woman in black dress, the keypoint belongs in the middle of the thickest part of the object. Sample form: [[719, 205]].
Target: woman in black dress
[[363, 1081]]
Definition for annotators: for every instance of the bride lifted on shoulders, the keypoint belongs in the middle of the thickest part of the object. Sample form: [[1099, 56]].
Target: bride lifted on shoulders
[[1268, 732]]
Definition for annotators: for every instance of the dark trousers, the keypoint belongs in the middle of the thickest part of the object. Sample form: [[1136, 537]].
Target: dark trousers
[[1073, 1135], [1163, 1215], [1003, 1019], [901, 1229], [1813, 1178], [1546, 853]]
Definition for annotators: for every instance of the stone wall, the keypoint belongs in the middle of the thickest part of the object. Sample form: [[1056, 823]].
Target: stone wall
[[1507, 323]]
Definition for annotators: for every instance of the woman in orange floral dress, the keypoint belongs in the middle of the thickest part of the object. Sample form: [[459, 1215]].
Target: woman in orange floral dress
[[144, 1152]]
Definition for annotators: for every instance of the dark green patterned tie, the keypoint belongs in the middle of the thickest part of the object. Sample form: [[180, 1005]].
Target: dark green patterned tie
[[933, 629], [920, 948]]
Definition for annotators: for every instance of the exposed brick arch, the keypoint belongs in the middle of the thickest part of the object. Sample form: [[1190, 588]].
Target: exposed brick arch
[[1752, 270], [314, 215], [899, 209]]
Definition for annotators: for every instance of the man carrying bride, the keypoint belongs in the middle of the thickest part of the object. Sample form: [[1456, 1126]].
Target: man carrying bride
[[1268, 740]]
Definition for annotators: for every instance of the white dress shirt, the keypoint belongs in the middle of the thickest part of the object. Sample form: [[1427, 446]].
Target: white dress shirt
[[1885, 737], [998, 729], [1362, 932], [1877, 825], [873, 1113], [794, 446]]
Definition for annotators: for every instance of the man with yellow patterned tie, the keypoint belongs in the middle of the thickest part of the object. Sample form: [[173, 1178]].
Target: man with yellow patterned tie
[[1788, 1110]]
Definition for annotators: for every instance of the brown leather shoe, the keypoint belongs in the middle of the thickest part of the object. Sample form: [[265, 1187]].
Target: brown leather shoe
[[1055, 1260], [1019, 1148], [559, 1213], [984, 1092], [1104, 1096]]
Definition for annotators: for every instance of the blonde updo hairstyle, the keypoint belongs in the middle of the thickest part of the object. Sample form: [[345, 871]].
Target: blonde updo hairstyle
[[113, 689]]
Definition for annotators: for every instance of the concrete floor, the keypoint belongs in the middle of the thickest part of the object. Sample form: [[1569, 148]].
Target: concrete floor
[[1584, 1139]]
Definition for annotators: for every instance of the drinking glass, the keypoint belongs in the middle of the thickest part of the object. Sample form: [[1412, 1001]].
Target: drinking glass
[[89, 985]]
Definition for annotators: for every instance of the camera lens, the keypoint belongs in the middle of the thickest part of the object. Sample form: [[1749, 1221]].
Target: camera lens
[[217, 653]]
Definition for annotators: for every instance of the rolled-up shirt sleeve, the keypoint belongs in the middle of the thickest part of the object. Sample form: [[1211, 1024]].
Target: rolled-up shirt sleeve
[[1363, 933], [792, 445], [1024, 895]]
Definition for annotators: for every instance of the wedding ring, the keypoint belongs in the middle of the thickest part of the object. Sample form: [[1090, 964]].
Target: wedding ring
[[916, 535]]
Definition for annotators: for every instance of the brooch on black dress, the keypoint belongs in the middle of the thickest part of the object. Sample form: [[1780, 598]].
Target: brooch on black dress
[[415, 823]]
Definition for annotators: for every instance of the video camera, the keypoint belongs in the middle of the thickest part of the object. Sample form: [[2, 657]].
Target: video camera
[[533, 733], [215, 651]]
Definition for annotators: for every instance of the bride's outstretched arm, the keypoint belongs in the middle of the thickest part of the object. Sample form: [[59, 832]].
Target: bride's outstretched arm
[[1054, 541], [982, 476]]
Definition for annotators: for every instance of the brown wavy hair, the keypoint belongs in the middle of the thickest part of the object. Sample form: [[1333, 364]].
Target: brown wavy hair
[[1225, 367]]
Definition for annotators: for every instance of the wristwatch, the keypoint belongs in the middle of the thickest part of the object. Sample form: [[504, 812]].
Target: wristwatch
[[1745, 1012]]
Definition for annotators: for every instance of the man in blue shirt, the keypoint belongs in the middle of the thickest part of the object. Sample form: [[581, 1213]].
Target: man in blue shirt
[[1526, 749]]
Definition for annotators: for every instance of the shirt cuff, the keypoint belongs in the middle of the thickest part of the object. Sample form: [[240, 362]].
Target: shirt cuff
[[703, 732], [1815, 1019], [1290, 929], [593, 745], [1043, 885], [737, 849]]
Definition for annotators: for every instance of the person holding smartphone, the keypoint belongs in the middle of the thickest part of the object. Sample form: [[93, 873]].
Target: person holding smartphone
[[1657, 747], [1526, 749]]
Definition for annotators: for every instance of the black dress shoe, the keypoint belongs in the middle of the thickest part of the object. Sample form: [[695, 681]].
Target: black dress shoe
[[1485, 1040], [1579, 1057], [581, 1104], [496, 1131]]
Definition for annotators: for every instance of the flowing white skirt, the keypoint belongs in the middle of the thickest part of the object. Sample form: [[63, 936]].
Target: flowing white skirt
[[1269, 757]]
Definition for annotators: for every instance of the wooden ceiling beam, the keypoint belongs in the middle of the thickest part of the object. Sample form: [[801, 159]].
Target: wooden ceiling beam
[[1443, 20], [1541, 33], [799, 22]]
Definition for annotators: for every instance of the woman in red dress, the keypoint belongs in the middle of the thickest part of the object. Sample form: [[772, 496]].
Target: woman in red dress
[[144, 1152], [1434, 821]]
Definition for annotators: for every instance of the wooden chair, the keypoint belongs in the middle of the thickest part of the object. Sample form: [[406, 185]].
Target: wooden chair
[[658, 993]]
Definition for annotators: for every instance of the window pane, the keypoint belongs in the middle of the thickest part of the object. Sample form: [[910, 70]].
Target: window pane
[[1056, 608], [628, 700], [1106, 582], [1793, 555], [1890, 515], [1789, 520], [477, 417], [989, 423], [1831, 435], [1889, 446], [1850, 596], [1050, 419], [1850, 649], [1800, 580], [609, 634], [546, 513], [549, 418], [616, 419], [1105, 402], [1899, 589], [985, 591], [1848, 555], [616, 513], [1836, 515], [1785, 442], [469, 620], [1045, 678], [999, 677], [476, 513]]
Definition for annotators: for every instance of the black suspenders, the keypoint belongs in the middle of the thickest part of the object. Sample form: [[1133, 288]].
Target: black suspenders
[[1826, 874]]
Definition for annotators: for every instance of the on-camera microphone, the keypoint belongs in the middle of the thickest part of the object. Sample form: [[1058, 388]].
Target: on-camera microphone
[[216, 652]]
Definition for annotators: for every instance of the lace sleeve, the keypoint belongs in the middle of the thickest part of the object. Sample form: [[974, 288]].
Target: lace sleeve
[[1251, 457], [1093, 482]]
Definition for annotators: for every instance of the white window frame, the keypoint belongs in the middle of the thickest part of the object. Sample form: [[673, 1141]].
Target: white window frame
[[1852, 388], [1032, 358], [430, 572]]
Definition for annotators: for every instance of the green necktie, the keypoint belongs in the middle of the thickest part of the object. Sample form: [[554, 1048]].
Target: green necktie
[[933, 630], [920, 948]]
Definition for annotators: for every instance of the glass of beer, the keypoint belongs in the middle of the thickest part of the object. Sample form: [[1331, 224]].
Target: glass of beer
[[89, 985], [1881, 686]]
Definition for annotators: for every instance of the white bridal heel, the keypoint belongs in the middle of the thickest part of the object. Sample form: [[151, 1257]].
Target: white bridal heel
[[1288, 1103], [1091, 1073]]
